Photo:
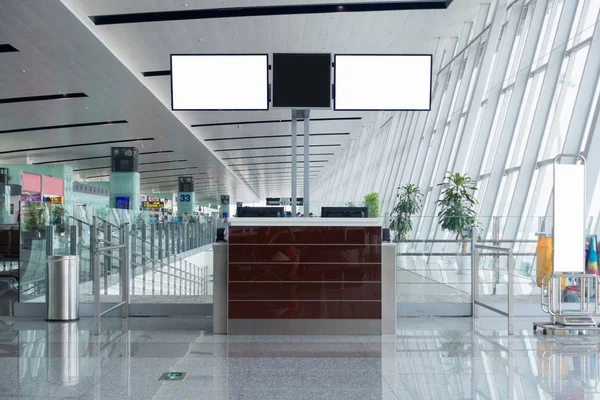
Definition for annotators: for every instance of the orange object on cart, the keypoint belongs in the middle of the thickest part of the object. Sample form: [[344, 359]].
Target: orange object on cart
[[543, 258]]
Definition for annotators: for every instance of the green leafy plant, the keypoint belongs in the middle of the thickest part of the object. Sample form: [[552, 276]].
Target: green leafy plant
[[410, 202], [33, 217], [371, 201], [457, 206], [353, 204], [57, 218]]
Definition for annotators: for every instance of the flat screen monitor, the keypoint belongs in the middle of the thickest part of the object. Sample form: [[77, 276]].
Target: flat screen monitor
[[393, 82], [344, 212], [302, 80], [210, 82], [260, 212]]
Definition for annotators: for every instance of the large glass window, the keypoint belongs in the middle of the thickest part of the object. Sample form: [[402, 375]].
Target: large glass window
[[519, 142], [545, 46], [568, 94]]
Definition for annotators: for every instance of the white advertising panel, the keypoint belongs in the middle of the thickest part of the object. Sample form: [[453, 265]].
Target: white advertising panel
[[569, 210], [382, 82], [219, 82]]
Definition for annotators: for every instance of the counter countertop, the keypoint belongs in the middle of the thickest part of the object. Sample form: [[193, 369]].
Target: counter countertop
[[305, 222]]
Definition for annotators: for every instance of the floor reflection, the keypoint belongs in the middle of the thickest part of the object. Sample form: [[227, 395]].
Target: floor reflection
[[428, 358]]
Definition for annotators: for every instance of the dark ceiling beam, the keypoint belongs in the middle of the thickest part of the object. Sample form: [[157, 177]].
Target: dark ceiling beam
[[271, 10]]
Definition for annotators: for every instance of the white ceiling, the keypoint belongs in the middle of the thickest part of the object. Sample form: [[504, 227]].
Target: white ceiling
[[59, 54]]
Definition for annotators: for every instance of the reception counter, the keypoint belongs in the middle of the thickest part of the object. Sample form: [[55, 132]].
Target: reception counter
[[305, 276]]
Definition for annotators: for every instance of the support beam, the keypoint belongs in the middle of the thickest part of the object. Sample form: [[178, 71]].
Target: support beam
[[509, 129], [540, 118], [472, 136]]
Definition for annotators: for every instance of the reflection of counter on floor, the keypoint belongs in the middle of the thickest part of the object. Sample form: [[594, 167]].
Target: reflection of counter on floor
[[304, 276]]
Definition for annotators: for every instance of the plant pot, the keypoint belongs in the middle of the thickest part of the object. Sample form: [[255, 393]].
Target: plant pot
[[401, 248], [464, 264]]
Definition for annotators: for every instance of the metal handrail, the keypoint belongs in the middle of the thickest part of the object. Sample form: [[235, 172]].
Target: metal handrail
[[80, 220], [97, 251], [475, 282]]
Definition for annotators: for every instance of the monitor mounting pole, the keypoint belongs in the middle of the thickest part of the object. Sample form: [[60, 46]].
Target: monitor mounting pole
[[294, 160], [306, 161]]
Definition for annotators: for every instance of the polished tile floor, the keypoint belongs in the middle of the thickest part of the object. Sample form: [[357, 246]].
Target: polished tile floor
[[429, 358]]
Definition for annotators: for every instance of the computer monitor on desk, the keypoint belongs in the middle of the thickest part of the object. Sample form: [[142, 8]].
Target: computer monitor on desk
[[260, 212], [344, 212]]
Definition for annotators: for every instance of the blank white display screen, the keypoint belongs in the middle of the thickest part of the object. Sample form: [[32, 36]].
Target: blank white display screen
[[383, 82], [219, 82], [568, 229]]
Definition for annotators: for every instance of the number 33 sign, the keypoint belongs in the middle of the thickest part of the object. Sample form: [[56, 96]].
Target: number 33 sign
[[185, 198]]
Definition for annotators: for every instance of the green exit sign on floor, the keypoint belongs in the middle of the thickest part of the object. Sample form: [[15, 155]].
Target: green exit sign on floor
[[172, 376]]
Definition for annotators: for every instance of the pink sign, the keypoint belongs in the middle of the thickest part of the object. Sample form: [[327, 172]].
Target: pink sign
[[53, 186], [31, 183]]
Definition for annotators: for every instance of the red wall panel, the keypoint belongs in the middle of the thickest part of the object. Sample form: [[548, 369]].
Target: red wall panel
[[312, 272]]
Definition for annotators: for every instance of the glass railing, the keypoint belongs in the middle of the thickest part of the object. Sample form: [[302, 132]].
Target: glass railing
[[74, 234], [434, 266]]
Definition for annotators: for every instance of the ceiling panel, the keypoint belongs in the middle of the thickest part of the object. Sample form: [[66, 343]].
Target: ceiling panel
[[106, 63]]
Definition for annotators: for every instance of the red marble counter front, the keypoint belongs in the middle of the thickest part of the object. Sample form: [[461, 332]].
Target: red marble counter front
[[304, 272]]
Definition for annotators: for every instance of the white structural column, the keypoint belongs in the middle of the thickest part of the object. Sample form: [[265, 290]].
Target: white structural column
[[418, 121], [306, 163], [471, 133], [443, 109], [465, 68], [495, 89], [540, 118], [585, 95], [512, 114], [294, 161]]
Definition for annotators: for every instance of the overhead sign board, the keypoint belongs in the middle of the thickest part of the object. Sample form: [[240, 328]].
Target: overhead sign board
[[284, 201], [153, 204], [186, 184]]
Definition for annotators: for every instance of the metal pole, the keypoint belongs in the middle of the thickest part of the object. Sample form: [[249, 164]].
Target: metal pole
[[511, 278], [49, 239], [95, 277], [125, 263], [294, 161], [474, 271], [107, 257], [144, 258], [152, 254], [306, 161], [73, 240]]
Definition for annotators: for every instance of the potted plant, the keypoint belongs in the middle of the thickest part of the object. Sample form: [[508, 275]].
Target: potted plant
[[410, 202], [371, 201], [457, 210]]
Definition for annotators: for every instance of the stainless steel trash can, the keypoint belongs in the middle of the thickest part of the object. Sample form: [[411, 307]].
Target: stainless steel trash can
[[62, 288]]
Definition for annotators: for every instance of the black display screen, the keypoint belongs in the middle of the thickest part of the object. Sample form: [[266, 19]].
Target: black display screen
[[301, 80]]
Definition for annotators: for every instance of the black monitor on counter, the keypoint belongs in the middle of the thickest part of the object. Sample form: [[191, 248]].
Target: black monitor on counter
[[260, 212], [344, 212]]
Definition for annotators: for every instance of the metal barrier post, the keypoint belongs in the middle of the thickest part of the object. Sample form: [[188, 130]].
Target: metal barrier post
[[167, 242], [474, 271], [125, 264], [152, 254], [49, 240], [134, 253], [511, 279], [475, 283], [144, 258], [160, 232], [93, 247], [96, 276], [73, 235], [107, 257], [173, 227]]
